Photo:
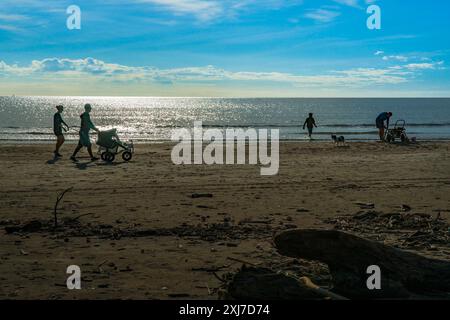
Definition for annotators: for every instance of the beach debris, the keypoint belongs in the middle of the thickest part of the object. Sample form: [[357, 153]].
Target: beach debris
[[55, 209], [405, 274], [365, 215], [365, 205], [403, 230], [81, 215], [302, 210], [127, 269], [241, 261], [231, 245], [405, 208], [99, 267], [29, 227], [212, 232], [250, 221], [201, 195], [204, 207], [5, 222], [210, 269], [178, 295]]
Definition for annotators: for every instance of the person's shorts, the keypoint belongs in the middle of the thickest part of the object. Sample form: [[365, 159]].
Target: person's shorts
[[58, 132], [85, 141], [380, 124], [310, 130]]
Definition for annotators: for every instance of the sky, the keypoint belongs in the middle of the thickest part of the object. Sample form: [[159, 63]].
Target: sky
[[225, 48]]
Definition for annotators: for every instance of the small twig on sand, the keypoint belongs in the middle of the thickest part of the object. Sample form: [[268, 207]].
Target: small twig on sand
[[102, 263], [80, 216], [58, 200], [218, 278], [242, 261], [99, 267]]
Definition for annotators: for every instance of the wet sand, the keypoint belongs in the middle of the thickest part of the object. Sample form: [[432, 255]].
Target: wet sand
[[142, 235]]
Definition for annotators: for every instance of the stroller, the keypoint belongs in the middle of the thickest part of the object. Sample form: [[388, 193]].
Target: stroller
[[110, 146], [398, 132]]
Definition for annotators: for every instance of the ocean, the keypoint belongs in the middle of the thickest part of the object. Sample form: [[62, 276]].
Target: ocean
[[151, 119]]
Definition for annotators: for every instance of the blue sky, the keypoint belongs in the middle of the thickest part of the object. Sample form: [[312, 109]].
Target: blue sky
[[292, 48]]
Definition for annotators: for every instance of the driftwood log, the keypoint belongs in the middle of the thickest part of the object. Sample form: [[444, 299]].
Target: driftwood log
[[403, 274], [253, 283]]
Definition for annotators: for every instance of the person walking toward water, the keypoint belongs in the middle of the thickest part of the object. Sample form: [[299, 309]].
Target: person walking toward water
[[58, 126], [384, 116], [85, 141], [310, 123]]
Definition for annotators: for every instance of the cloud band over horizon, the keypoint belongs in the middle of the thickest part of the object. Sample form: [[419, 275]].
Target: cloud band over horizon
[[65, 70]]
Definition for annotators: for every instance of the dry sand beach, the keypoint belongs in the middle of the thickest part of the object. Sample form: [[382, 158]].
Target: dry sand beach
[[152, 230]]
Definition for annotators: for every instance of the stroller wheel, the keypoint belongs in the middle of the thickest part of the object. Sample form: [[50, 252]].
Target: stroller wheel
[[109, 157], [103, 155], [127, 155]]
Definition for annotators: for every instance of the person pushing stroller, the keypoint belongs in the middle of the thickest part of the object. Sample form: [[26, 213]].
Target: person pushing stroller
[[85, 141]]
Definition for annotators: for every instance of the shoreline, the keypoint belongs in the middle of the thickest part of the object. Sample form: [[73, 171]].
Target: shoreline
[[7, 142]]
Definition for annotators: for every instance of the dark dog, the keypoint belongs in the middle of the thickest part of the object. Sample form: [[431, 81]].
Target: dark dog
[[338, 140]]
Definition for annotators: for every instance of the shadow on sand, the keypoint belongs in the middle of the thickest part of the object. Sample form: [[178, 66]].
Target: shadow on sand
[[111, 164], [53, 161], [88, 164]]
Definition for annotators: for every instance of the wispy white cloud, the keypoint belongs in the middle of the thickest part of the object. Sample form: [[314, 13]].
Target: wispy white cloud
[[11, 28], [208, 10], [12, 17], [328, 13], [12, 22], [425, 66], [395, 57], [350, 3], [355, 3], [202, 9], [322, 14], [416, 61]]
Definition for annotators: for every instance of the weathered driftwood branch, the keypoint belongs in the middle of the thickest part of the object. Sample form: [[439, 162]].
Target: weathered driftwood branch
[[403, 274], [80, 216], [55, 210], [321, 291], [251, 283]]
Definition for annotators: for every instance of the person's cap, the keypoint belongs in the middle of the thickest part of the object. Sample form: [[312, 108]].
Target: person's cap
[[59, 107], [87, 106]]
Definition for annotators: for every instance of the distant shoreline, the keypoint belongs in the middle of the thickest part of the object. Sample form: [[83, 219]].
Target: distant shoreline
[[152, 142]]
